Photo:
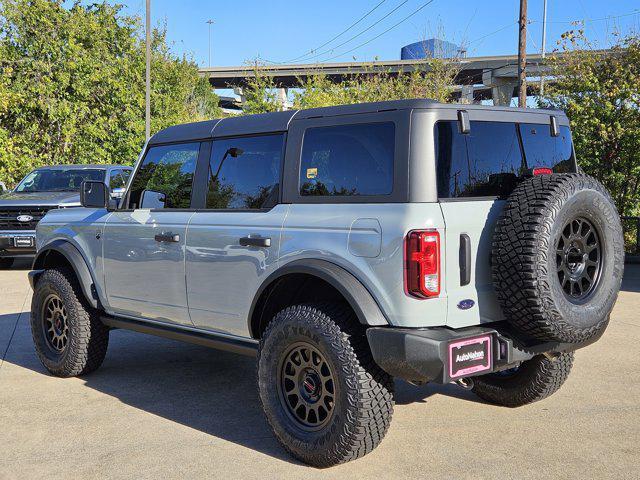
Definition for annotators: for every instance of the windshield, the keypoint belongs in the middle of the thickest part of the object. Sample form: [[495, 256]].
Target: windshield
[[50, 180]]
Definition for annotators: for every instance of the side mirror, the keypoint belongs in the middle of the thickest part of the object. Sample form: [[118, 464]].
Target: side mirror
[[94, 194], [152, 200]]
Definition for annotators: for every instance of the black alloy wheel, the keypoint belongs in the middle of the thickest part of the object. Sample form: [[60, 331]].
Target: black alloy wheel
[[307, 386], [578, 259], [54, 323]]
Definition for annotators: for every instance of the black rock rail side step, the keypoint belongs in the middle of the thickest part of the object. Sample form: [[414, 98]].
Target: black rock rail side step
[[218, 341]]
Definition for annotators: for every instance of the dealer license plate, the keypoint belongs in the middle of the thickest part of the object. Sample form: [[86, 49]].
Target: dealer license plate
[[470, 356]]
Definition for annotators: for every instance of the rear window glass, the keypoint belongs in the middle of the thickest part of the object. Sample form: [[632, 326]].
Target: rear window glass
[[347, 160], [543, 150], [490, 160]]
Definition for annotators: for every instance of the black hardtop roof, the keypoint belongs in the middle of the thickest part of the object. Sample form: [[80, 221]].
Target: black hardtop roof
[[75, 166], [279, 121]]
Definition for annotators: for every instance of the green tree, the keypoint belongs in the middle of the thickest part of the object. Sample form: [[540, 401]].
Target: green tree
[[601, 95], [434, 79], [260, 93], [72, 85]]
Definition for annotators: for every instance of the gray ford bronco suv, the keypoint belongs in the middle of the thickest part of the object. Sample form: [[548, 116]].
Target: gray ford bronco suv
[[344, 246]]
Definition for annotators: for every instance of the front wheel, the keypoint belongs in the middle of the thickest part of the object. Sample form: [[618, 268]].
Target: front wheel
[[68, 335], [324, 397], [531, 381]]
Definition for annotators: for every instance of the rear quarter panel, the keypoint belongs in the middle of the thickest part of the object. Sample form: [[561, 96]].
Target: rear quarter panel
[[368, 241]]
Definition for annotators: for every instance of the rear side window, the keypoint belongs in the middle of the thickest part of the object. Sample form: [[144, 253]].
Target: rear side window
[[490, 160], [168, 171], [345, 160], [244, 172], [543, 150]]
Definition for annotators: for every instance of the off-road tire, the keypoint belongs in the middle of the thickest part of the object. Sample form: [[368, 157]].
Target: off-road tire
[[364, 393], [533, 380], [88, 337], [525, 260], [6, 263]]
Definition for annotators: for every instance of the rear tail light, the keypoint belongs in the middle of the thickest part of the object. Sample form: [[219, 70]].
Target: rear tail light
[[422, 268]]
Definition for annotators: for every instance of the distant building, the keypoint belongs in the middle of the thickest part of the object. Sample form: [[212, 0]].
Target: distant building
[[432, 48]]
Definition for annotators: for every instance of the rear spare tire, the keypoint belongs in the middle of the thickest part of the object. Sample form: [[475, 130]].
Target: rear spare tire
[[557, 257]]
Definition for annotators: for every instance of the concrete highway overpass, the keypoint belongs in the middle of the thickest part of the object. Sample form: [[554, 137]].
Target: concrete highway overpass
[[478, 78]]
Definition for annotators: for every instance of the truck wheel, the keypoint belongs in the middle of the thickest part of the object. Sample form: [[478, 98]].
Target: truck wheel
[[557, 258], [68, 335], [531, 381], [324, 397], [6, 262]]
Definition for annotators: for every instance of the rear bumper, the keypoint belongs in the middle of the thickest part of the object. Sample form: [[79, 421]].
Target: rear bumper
[[20, 243], [423, 355]]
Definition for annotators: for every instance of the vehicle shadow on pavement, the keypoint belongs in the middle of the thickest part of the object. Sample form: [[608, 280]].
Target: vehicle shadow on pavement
[[212, 391]]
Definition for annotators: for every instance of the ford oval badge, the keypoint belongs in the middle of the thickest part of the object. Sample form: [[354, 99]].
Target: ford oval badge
[[24, 218], [466, 304]]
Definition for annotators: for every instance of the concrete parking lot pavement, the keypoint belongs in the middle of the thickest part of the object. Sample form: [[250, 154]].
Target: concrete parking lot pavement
[[162, 409]]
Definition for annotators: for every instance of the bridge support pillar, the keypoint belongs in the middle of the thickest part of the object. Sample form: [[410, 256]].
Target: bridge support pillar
[[502, 87]]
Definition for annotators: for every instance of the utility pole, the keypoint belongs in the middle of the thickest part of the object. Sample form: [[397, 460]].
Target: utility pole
[[522, 56], [210, 22], [147, 92], [544, 43]]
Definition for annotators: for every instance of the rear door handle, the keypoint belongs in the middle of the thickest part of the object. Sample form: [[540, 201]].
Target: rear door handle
[[465, 259], [167, 238], [255, 241]]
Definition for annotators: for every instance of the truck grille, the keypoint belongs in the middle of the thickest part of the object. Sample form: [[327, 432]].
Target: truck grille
[[9, 217]]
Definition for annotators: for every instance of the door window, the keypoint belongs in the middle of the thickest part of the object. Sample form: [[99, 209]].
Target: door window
[[166, 173], [346, 160], [244, 172]]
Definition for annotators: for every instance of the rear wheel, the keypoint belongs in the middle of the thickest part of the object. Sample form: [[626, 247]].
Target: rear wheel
[[531, 381], [68, 335], [6, 262], [324, 397]]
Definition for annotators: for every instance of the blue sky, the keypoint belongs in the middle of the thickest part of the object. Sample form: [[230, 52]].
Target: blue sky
[[284, 30]]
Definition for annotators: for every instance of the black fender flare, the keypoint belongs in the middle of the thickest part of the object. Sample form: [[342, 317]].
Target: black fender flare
[[77, 262], [355, 293]]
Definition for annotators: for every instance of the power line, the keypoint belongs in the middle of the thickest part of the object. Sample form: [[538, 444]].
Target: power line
[[337, 36], [383, 33], [492, 33], [635, 12], [358, 34]]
